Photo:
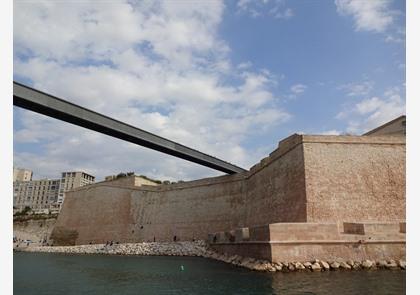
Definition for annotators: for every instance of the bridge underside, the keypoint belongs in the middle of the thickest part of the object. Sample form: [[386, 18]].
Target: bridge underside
[[43, 103]]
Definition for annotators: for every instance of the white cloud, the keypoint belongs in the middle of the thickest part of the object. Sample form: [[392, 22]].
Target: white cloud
[[298, 88], [373, 112], [156, 65], [295, 91], [262, 8], [244, 65], [368, 15], [282, 14], [330, 132], [357, 89], [368, 105]]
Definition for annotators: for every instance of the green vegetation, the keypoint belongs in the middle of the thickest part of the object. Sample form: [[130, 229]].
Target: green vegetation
[[24, 212], [122, 174], [20, 218]]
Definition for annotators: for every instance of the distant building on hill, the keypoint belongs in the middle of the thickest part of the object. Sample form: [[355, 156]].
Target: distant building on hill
[[130, 179], [45, 195], [35, 194]]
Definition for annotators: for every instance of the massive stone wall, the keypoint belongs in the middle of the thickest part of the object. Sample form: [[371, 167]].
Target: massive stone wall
[[189, 210], [306, 179], [275, 188], [355, 178]]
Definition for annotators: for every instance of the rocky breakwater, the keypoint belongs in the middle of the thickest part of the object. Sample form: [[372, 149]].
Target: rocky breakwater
[[196, 248], [314, 266]]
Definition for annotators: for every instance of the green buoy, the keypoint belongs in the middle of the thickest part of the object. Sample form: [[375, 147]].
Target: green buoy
[[182, 267]]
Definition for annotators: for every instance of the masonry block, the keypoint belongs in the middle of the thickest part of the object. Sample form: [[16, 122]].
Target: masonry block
[[402, 227], [221, 237], [354, 228], [242, 234]]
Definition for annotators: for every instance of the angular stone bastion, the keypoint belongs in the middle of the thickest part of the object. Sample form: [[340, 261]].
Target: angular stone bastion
[[291, 242], [312, 197]]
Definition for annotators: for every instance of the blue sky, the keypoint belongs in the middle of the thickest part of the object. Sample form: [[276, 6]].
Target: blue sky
[[228, 78]]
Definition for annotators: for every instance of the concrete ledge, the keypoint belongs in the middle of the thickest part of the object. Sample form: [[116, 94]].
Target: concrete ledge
[[292, 251], [312, 242], [399, 140]]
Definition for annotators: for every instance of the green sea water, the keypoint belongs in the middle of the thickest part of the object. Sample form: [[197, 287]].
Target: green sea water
[[41, 273]]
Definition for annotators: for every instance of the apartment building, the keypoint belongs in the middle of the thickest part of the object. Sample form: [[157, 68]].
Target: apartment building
[[47, 194], [35, 194], [20, 174], [70, 180]]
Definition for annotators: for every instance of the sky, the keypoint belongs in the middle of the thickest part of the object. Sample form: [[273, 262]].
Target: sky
[[230, 79]]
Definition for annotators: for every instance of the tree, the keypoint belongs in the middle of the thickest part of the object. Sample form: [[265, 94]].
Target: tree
[[26, 210], [119, 175]]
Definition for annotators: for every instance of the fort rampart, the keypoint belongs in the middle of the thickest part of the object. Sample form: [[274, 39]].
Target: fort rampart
[[314, 179]]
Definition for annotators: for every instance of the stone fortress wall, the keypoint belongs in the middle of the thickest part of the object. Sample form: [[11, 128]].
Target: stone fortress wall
[[307, 179]]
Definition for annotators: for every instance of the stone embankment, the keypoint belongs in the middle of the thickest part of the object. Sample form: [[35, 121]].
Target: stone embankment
[[315, 266], [199, 248]]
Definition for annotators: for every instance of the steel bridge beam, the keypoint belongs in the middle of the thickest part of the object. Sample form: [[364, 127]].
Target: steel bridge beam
[[46, 104]]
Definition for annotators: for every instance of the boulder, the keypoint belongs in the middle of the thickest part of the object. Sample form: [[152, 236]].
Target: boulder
[[335, 265], [357, 265], [232, 258], [247, 262], [345, 266], [258, 266], [367, 264], [299, 266], [382, 263], [324, 265], [392, 265], [307, 265], [278, 266], [291, 267], [316, 267], [401, 263]]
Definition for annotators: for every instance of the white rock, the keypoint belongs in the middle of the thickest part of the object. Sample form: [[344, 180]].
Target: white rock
[[324, 265], [345, 266], [316, 267], [367, 264], [401, 264]]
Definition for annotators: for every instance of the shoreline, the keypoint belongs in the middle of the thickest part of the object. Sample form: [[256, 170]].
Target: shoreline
[[199, 249]]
